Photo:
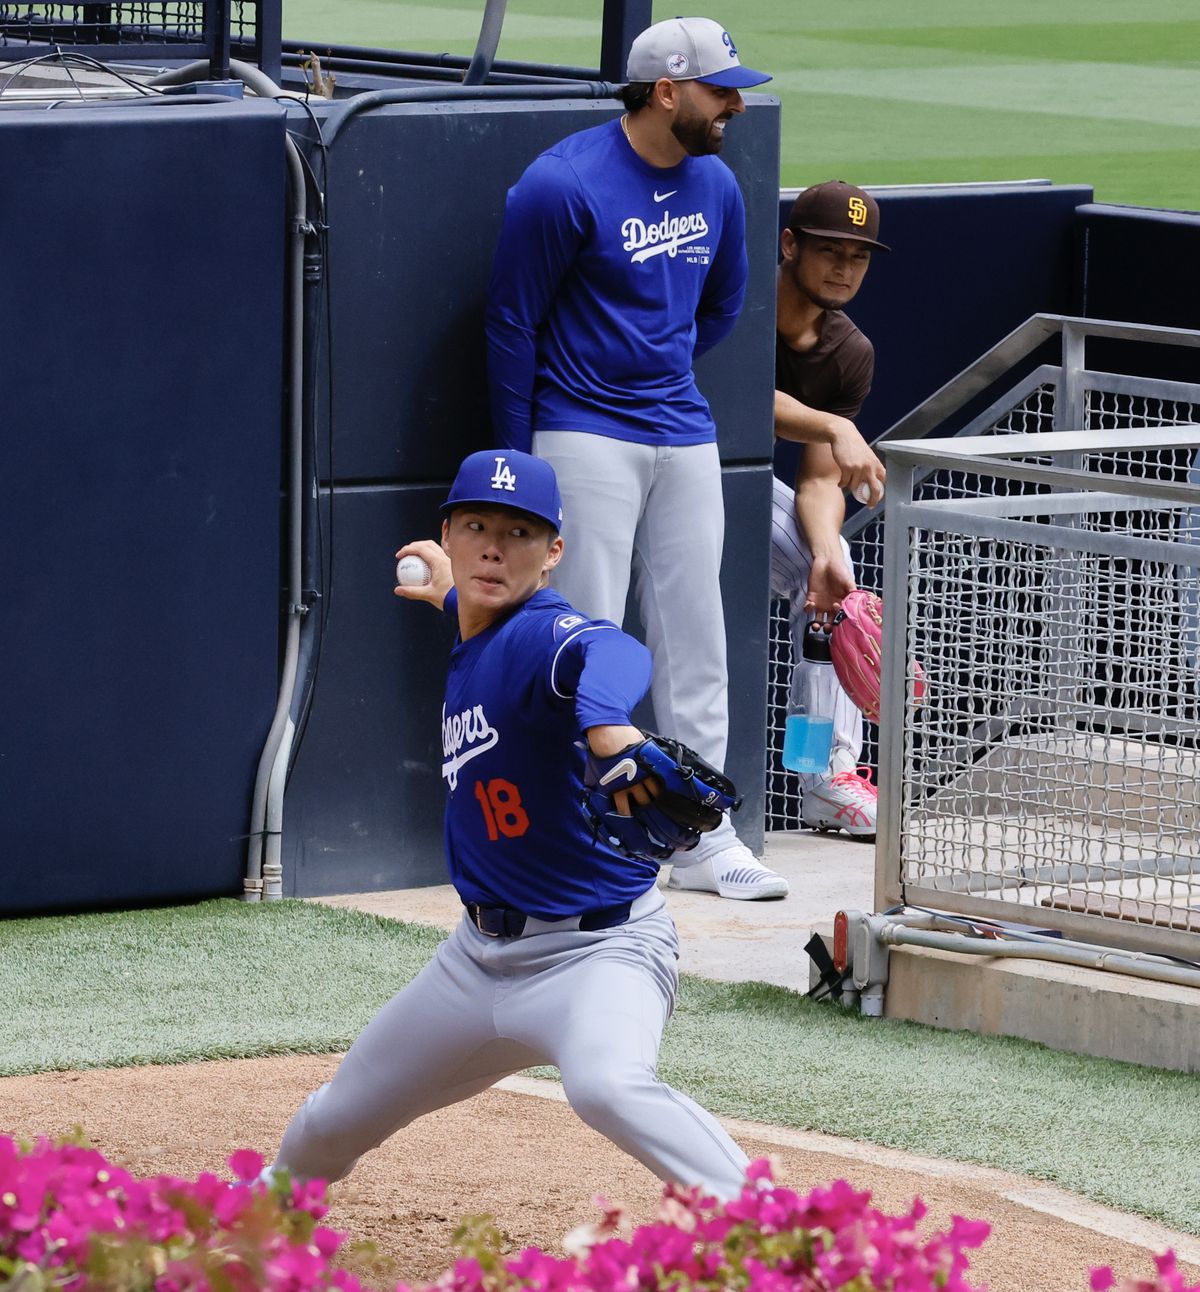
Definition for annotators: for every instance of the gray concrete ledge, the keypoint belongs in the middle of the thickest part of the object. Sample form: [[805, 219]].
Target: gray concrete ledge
[[1084, 1011]]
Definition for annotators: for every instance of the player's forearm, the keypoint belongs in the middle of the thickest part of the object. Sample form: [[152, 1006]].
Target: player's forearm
[[605, 741], [804, 425], [820, 513]]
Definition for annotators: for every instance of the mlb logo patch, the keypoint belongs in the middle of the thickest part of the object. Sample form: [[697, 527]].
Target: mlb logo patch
[[565, 625]]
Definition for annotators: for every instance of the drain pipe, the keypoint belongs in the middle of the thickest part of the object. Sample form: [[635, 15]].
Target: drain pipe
[[1083, 954], [264, 870], [867, 940]]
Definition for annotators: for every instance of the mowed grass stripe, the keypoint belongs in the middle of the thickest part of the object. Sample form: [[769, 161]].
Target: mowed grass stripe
[[388, 24], [1173, 43], [928, 92], [770, 15], [835, 128], [1095, 92]]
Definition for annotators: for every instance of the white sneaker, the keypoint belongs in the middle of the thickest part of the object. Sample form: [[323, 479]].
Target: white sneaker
[[843, 801], [734, 873]]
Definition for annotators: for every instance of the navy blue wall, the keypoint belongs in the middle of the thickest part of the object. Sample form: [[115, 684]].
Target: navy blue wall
[[416, 200], [417, 196], [141, 335], [1140, 267]]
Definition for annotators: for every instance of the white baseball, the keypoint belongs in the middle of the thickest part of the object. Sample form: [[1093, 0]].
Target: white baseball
[[863, 492], [413, 572]]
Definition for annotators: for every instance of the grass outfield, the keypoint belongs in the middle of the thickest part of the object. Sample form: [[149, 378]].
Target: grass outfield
[[224, 979], [929, 91]]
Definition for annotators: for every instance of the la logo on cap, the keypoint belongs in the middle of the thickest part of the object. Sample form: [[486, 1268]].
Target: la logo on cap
[[504, 477]]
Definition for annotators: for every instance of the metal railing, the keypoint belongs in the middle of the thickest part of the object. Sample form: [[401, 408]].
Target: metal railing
[[1048, 397], [1049, 584]]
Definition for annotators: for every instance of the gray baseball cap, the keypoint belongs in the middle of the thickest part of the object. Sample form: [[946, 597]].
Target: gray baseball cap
[[690, 49]]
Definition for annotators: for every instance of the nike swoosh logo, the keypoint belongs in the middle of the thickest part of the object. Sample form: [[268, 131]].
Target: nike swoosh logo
[[626, 767], [662, 197]]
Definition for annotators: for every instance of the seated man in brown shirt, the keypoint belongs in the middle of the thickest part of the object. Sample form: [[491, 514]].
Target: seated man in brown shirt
[[823, 371]]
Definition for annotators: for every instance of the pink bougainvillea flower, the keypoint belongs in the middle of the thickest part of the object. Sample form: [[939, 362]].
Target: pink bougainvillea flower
[[245, 1164]]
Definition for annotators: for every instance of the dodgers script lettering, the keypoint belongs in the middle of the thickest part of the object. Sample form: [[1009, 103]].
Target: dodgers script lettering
[[468, 732], [666, 235]]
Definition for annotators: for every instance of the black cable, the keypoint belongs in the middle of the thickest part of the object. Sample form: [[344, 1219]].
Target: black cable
[[66, 57]]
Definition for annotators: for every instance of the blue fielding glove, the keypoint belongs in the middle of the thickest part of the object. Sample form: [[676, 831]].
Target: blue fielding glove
[[691, 799]]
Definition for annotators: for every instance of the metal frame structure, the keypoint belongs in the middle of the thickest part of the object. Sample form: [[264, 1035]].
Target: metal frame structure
[[146, 31], [1048, 397], [252, 30], [1092, 498]]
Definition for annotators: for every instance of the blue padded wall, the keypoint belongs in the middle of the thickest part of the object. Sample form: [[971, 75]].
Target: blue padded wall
[[1140, 266], [417, 195], [416, 199], [141, 337]]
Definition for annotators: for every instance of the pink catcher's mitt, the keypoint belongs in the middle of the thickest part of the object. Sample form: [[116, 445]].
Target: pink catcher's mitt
[[857, 649]]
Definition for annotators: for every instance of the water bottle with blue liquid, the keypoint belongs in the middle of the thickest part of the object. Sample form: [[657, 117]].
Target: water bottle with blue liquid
[[808, 734]]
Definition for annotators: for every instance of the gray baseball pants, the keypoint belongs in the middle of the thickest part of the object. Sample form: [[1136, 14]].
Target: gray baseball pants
[[791, 562], [592, 1003], [656, 515]]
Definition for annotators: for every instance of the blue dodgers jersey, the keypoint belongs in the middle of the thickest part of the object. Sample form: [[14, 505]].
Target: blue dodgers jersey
[[610, 277], [513, 760]]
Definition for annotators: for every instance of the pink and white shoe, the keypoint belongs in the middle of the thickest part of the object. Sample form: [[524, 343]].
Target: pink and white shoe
[[844, 801]]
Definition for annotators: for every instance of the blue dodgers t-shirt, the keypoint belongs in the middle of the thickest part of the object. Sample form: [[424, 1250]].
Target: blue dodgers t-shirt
[[610, 277], [519, 696]]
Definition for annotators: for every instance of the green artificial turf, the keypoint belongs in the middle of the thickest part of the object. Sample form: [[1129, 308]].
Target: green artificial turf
[[930, 91], [223, 979]]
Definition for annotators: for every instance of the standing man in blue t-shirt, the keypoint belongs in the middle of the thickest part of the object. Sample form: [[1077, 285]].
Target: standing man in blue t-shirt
[[565, 953], [623, 257]]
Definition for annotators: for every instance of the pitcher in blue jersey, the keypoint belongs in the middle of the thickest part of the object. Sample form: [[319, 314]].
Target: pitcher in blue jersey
[[622, 257], [565, 954]]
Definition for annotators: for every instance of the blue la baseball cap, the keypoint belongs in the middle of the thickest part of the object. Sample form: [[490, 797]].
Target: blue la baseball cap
[[690, 49], [507, 478]]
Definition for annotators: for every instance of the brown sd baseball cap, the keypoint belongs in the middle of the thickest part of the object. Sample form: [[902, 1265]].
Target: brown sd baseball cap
[[837, 210]]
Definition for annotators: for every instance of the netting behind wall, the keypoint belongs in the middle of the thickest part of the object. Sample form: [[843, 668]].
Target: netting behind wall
[[154, 22]]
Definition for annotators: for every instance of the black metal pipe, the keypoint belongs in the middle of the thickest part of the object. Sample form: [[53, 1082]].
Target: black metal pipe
[[218, 39], [449, 75], [419, 58], [487, 44]]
